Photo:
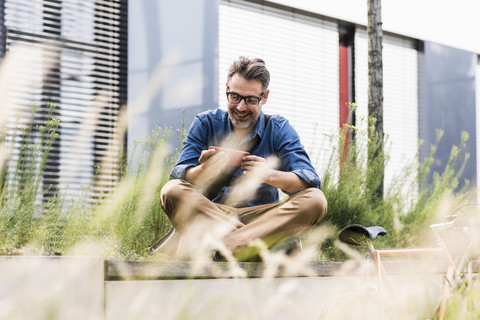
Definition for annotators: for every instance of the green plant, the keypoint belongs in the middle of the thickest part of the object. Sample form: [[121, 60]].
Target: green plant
[[463, 302], [121, 224], [131, 218], [21, 178], [351, 182], [444, 184]]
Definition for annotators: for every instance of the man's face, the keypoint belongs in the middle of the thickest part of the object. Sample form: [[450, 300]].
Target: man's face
[[245, 116]]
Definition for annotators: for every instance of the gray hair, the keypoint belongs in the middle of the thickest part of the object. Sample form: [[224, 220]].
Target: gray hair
[[250, 69]]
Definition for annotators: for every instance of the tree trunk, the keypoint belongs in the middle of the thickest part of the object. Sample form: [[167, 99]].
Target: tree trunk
[[375, 172]]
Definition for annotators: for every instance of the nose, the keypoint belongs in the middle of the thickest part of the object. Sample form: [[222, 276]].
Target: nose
[[242, 106]]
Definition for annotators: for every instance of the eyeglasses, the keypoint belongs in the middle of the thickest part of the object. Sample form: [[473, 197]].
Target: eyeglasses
[[251, 101]]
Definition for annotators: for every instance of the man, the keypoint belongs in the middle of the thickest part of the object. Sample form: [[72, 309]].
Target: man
[[241, 203]]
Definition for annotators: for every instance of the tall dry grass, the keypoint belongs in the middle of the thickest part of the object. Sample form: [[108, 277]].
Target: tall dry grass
[[126, 222]]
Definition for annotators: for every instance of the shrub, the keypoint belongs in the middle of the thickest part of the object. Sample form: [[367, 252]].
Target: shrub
[[122, 224], [351, 181]]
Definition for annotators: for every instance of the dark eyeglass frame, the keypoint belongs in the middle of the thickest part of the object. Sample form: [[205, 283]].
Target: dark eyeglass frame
[[244, 98]]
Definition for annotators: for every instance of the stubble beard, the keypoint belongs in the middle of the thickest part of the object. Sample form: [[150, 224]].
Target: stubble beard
[[241, 124]]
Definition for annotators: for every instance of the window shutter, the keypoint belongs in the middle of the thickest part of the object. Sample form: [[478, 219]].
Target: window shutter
[[76, 59], [301, 54], [400, 105]]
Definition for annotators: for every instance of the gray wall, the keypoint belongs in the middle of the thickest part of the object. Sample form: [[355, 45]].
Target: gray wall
[[449, 104], [176, 43]]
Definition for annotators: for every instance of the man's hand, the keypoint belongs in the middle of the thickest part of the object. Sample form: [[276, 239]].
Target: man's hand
[[212, 164], [258, 166], [206, 155], [264, 171]]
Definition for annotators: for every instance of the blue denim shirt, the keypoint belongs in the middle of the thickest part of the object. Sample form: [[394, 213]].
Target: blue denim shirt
[[278, 138]]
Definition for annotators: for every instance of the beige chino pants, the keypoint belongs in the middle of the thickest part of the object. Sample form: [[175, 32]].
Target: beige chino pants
[[193, 215]]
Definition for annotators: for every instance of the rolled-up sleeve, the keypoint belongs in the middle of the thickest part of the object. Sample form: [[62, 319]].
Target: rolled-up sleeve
[[311, 178], [179, 171], [293, 156]]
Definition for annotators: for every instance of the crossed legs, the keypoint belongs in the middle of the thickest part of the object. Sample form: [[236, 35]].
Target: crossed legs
[[194, 215]]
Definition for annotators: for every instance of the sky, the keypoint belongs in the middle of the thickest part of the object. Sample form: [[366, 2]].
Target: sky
[[455, 23]]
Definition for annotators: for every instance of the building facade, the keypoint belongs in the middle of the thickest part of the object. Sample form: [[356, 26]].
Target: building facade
[[318, 65], [167, 60]]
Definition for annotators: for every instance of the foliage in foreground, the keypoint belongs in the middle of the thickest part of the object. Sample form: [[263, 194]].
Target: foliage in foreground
[[121, 225], [463, 302], [126, 222], [409, 204]]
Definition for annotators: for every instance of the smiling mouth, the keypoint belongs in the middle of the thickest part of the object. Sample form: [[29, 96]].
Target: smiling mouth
[[242, 116]]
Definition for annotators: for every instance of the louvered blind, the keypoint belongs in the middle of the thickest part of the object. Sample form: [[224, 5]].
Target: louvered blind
[[400, 105], [71, 53], [301, 54]]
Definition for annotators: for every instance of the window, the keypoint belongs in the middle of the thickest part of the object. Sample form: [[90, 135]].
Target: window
[[301, 53], [75, 59], [400, 105]]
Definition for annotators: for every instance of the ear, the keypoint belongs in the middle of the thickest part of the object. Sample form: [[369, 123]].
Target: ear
[[226, 84], [265, 97]]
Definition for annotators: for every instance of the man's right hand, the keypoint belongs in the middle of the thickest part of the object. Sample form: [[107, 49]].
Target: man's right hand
[[206, 155], [212, 163]]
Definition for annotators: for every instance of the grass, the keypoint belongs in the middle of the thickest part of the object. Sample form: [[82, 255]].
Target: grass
[[408, 206], [130, 219], [123, 224]]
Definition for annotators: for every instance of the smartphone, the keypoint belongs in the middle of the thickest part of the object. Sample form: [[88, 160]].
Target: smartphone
[[235, 155]]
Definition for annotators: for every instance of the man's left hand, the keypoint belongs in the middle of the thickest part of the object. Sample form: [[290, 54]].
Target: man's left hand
[[258, 166], [263, 170]]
